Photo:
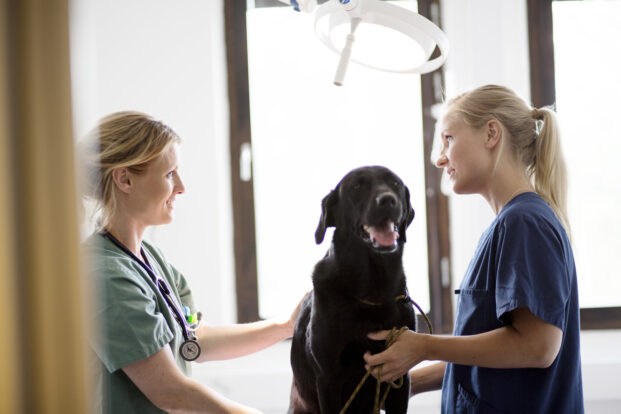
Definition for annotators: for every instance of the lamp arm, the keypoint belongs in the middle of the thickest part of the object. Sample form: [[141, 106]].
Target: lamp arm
[[307, 6]]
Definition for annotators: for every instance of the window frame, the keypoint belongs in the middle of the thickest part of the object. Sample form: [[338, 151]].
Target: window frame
[[543, 92], [441, 313]]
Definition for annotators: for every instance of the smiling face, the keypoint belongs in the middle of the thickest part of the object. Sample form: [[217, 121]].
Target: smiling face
[[151, 201], [464, 155]]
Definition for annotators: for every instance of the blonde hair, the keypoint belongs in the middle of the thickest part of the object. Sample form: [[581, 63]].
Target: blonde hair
[[123, 139], [533, 135]]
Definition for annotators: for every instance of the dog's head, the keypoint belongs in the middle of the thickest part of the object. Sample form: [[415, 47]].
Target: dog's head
[[373, 204]]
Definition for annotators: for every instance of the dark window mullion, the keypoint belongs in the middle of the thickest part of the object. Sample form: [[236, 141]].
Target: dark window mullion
[[244, 240], [541, 53], [438, 241]]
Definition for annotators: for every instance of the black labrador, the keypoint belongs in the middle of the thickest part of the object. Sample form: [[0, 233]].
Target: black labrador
[[359, 287]]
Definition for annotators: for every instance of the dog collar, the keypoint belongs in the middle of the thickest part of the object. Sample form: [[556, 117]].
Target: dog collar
[[405, 298]]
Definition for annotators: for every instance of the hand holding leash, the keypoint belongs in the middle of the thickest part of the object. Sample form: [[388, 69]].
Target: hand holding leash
[[406, 352]]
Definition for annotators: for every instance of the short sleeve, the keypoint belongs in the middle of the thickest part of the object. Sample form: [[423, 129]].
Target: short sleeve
[[531, 270], [183, 288], [130, 326]]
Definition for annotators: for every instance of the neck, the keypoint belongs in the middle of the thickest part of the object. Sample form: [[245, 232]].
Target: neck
[[127, 232], [499, 198], [506, 182]]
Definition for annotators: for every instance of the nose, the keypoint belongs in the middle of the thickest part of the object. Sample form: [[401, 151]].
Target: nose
[[442, 161], [386, 200], [179, 186]]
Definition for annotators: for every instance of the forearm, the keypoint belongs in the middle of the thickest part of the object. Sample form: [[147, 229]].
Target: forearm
[[232, 341], [161, 381], [528, 342], [190, 396], [426, 379], [501, 348]]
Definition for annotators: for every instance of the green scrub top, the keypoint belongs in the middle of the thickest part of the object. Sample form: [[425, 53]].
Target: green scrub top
[[132, 319]]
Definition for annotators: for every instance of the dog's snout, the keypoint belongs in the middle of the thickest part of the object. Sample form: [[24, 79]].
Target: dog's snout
[[386, 200]]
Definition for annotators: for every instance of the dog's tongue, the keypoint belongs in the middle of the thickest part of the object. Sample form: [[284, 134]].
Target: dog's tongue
[[385, 234]]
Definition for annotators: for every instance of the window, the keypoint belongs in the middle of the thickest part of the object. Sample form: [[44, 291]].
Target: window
[[583, 82], [306, 134]]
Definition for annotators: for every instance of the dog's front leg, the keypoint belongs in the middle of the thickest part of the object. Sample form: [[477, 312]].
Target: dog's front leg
[[397, 401], [329, 394]]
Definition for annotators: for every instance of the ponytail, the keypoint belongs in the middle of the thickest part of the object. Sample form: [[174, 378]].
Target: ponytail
[[548, 170]]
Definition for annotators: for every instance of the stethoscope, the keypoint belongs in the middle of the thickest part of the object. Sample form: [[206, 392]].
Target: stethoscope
[[189, 349]]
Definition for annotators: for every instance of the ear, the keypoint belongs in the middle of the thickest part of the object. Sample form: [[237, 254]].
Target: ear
[[408, 214], [122, 179], [493, 129], [328, 211]]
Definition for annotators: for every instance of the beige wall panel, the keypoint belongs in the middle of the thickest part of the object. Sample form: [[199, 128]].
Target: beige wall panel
[[10, 379], [47, 215]]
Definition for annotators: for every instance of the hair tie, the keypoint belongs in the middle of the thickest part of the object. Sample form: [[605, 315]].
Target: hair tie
[[537, 114]]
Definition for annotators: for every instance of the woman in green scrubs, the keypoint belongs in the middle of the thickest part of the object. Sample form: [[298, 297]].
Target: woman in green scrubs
[[131, 167]]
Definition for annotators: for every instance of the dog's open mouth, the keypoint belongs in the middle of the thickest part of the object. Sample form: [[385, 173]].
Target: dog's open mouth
[[383, 236]]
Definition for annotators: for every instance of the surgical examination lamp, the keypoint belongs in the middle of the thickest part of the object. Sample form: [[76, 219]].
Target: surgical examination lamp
[[335, 13]]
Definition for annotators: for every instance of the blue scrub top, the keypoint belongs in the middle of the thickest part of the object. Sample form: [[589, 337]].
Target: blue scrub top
[[524, 259]]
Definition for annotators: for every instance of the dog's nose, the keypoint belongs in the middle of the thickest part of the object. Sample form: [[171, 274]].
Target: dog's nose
[[386, 200]]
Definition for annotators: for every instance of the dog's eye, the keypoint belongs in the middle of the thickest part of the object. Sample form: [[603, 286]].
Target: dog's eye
[[358, 184]]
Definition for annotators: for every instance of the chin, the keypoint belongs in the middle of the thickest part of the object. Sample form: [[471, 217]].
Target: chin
[[458, 188], [168, 219], [463, 190]]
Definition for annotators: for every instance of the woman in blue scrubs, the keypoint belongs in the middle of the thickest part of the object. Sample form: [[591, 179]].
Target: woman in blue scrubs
[[516, 342]]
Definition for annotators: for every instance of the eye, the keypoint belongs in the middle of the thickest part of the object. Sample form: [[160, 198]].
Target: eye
[[171, 174], [391, 181], [358, 184], [449, 138]]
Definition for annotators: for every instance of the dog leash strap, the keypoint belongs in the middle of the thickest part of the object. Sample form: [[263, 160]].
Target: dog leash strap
[[392, 338], [353, 394], [409, 299]]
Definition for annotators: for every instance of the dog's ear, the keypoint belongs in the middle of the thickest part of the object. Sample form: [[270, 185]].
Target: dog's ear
[[408, 213], [327, 219]]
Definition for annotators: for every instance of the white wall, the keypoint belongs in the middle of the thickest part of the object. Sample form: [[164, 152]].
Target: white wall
[[167, 58]]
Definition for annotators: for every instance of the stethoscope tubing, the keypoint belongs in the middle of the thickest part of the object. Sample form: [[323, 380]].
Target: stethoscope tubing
[[161, 286]]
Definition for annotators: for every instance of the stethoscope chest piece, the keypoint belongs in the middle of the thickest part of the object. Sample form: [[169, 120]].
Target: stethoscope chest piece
[[190, 350]]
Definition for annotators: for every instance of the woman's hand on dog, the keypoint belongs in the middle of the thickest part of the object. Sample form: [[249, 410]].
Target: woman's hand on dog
[[294, 315], [407, 352]]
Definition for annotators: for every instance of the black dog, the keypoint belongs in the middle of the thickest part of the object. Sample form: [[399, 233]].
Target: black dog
[[359, 287]]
